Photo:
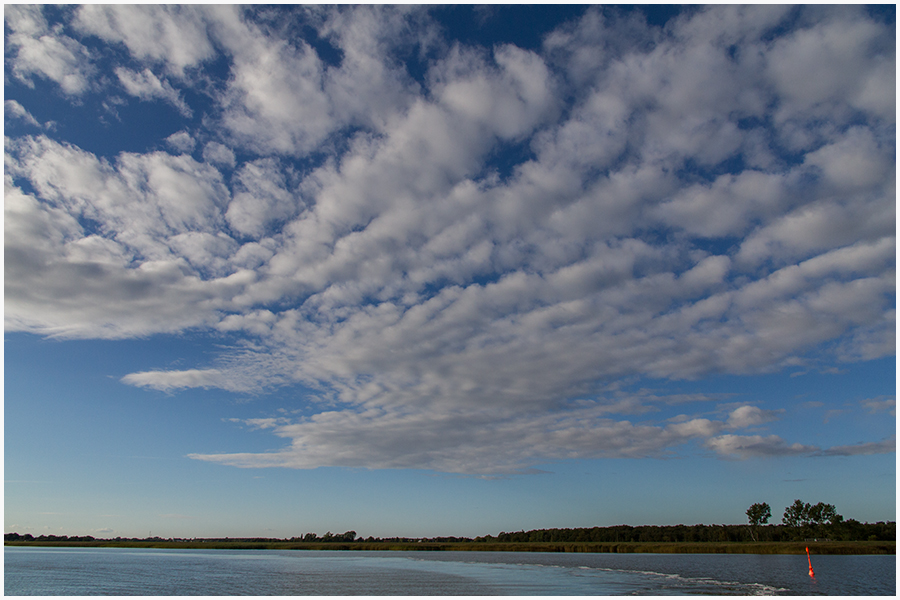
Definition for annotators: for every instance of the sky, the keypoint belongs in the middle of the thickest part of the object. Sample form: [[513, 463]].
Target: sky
[[445, 271]]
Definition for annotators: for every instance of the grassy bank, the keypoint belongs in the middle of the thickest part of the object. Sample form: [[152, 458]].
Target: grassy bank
[[621, 547]]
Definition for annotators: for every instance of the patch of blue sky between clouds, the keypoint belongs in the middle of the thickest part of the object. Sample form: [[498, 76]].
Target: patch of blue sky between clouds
[[467, 249]]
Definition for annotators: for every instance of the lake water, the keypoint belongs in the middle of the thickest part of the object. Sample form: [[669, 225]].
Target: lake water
[[158, 572]]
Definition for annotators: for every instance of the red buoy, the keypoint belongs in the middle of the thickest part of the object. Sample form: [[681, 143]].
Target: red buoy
[[811, 573]]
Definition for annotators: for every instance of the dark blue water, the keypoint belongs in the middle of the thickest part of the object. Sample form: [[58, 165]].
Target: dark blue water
[[121, 572]]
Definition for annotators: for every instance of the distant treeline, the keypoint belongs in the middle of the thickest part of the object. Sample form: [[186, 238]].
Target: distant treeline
[[849, 530], [15, 537]]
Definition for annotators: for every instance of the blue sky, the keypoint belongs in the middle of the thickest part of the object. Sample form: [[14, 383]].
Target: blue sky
[[428, 271]]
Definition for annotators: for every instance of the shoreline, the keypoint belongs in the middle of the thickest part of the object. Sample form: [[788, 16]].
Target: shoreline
[[819, 548]]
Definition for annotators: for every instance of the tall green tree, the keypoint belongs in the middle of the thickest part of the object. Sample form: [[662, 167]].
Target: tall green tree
[[758, 514], [824, 519], [796, 515], [807, 518]]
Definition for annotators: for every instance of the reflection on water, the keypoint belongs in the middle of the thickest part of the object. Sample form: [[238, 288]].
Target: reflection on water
[[118, 571]]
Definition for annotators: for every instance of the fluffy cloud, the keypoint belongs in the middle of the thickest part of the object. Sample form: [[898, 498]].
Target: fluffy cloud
[[370, 85], [379, 438], [218, 154], [181, 141], [747, 416], [174, 36], [261, 198], [875, 405], [816, 68], [14, 110], [39, 50], [275, 101], [509, 98], [192, 378], [115, 239], [462, 262], [146, 85]]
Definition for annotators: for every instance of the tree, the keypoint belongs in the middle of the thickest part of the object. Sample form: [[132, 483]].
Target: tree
[[822, 513], [796, 515], [758, 514], [809, 517]]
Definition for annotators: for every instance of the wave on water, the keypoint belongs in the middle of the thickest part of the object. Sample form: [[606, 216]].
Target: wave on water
[[681, 584], [546, 576]]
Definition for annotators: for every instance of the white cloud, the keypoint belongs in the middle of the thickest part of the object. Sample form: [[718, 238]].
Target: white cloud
[[676, 214], [369, 87], [40, 50], [13, 109], [747, 446], [146, 86], [510, 101], [832, 61], [727, 206], [218, 154], [854, 161], [175, 36], [132, 275], [879, 404], [141, 198], [192, 378], [207, 252], [863, 448], [747, 416], [456, 442], [261, 198], [274, 101], [181, 141]]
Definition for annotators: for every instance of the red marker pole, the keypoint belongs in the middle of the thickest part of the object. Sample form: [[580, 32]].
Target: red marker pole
[[811, 573]]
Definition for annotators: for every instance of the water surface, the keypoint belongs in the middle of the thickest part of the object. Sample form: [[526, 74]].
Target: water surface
[[166, 572]]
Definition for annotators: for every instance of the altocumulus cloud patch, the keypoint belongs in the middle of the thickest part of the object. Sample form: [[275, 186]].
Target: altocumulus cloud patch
[[468, 251]]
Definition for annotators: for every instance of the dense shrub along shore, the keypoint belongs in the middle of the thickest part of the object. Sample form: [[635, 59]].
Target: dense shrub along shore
[[851, 537], [846, 531], [622, 547]]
